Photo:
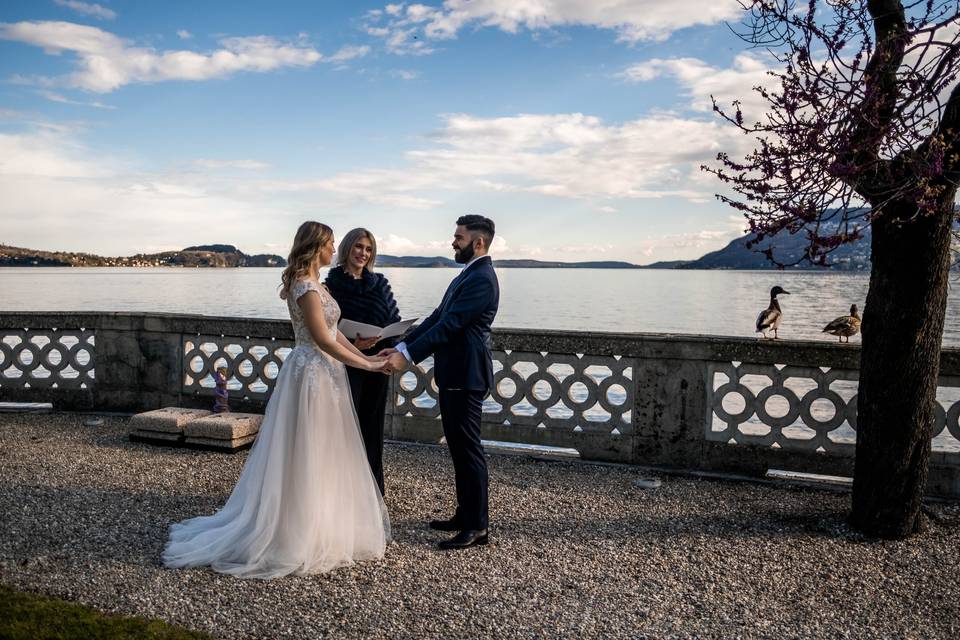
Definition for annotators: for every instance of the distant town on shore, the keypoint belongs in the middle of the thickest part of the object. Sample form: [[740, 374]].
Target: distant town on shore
[[788, 249]]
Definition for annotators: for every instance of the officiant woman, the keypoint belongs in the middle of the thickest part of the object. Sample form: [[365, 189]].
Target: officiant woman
[[365, 296]]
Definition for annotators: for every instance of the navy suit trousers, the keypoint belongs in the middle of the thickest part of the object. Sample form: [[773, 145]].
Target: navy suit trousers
[[460, 412]]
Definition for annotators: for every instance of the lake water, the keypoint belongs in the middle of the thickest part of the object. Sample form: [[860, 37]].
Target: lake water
[[660, 301]]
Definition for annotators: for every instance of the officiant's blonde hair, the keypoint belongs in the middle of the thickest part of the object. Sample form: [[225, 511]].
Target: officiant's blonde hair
[[306, 245], [343, 251]]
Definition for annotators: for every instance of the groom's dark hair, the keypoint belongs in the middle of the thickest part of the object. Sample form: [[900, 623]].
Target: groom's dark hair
[[480, 224]]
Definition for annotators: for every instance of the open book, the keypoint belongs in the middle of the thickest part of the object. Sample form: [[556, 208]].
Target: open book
[[353, 329]]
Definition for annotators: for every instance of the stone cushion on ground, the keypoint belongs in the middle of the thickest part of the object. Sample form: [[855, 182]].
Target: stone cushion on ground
[[223, 426], [222, 445], [168, 420]]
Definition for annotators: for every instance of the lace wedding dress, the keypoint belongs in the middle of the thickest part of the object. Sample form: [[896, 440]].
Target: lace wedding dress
[[306, 500]]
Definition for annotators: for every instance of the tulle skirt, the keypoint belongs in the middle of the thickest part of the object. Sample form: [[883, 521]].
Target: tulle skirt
[[306, 501]]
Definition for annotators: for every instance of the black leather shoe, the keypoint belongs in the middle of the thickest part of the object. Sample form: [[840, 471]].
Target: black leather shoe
[[445, 525], [466, 538]]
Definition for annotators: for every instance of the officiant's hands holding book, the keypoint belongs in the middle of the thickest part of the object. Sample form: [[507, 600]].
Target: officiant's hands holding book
[[365, 343]]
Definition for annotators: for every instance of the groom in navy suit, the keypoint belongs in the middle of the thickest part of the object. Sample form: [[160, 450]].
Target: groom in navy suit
[[457, 333]]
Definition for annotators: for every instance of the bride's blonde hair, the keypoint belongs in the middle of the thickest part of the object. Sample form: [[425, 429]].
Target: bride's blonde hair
[[311, 236]]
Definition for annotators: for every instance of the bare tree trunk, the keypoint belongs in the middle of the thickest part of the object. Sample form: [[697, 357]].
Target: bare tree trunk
[[899, 367]]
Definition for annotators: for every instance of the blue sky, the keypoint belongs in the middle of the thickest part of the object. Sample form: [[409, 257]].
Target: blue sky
[[578, 126]]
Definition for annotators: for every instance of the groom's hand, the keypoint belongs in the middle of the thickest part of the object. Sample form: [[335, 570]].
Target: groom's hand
[[386, 352], [396, 360]]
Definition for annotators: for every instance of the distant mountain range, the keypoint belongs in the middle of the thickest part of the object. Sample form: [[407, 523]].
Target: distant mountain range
[[438, 261], [788, 248], [209, 255]]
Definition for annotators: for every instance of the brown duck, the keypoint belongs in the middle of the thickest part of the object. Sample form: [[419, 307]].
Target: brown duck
[[769, 319], [845, 326]]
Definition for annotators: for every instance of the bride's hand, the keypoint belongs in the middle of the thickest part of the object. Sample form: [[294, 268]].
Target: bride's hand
[[376, 363]]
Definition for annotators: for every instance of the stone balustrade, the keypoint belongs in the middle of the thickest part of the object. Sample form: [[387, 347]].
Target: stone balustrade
[[708, 403]]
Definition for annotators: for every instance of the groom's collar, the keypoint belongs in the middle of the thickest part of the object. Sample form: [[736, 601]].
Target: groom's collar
[[475, 259]]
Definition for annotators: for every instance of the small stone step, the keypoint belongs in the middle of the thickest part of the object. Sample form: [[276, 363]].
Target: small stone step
[[223, 431], [163, 426], [166, 420], [213, 444]]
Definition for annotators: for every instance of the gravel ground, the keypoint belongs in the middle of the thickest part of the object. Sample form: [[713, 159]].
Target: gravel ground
[[577, 550]]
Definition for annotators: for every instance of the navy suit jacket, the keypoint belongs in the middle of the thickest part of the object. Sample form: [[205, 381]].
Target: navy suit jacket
[[457, 333]]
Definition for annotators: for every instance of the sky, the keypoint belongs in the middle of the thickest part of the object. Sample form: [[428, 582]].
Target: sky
[[577, 126]]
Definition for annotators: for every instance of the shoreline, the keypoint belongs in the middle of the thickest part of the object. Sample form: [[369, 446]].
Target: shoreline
[[498, 266]]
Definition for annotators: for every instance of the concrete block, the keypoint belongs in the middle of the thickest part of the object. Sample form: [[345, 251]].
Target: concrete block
[[224, 426], [167, 420]]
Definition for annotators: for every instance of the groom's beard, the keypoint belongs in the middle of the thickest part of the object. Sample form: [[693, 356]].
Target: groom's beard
[[463, 256]]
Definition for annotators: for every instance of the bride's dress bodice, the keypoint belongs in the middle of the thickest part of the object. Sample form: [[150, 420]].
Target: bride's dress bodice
[[331, 312]]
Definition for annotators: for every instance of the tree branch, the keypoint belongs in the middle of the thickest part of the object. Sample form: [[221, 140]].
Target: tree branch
[[873, 117]]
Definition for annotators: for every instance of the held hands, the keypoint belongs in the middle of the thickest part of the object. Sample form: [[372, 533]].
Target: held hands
[[396, 361], [376, 363], [388, 361]]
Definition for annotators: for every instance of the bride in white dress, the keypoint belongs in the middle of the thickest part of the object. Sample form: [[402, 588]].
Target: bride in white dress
[[306, 500]]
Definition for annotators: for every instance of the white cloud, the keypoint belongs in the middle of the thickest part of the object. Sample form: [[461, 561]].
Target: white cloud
[[54, 189], [393, 244], [107, 62], [578, 156], [88, 9], [700, 80], [687, 246], [349, 53], [48, 151], [405, 74], [499, 246], [567, 156], [411, 28], [56, 97], [252, 165], [48, 180], [183, 34]]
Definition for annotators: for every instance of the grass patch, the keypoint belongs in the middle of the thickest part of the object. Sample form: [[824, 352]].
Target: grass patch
[[27, 616]]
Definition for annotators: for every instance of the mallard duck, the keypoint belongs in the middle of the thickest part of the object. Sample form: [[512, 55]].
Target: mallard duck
[[845, 325], [769, 319]]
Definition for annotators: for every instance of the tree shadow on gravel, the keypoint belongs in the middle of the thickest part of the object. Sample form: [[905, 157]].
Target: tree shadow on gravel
[[756, 525]]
